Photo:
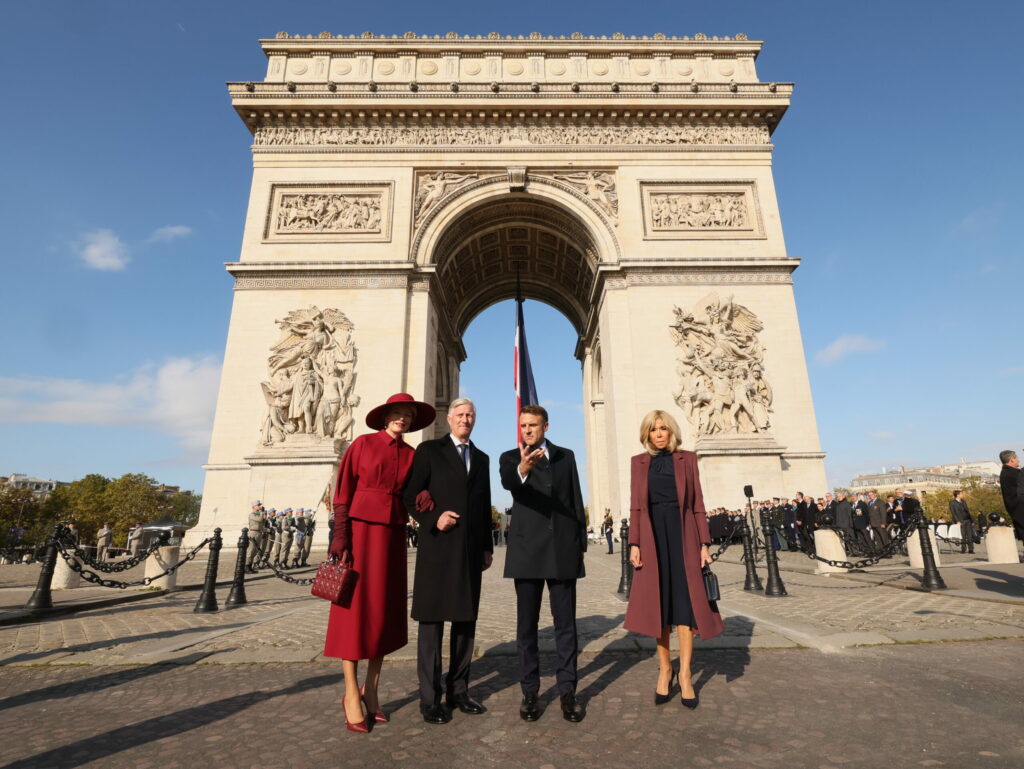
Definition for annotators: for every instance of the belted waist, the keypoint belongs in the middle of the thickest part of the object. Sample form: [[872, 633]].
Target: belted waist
[[378, 506]]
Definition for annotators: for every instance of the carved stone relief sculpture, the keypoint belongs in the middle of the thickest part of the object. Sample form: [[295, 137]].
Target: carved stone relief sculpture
[[311, 378], [334, 212], [695, 211], [329, 212], [720, 363], [598, 186], [432, 187], [508, 135]]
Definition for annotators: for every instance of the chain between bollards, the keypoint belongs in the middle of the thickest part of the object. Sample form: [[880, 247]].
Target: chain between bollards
[[208, 597], [931, 579], [41, 597], [236, 596], [752, 582], [774, 588]]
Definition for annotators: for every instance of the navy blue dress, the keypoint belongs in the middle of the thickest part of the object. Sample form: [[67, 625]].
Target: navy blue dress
[[667, 524]]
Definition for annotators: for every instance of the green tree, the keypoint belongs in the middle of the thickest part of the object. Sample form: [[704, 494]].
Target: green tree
[[184, 507], [18, 509], [130, 498]]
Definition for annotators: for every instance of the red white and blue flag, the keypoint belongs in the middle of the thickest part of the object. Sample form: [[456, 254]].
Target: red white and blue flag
[[526, 388]]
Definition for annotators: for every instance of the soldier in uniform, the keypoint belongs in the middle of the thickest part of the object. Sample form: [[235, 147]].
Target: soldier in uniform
[[103, 541], [307, 543], [255, 535], [135, 540], [287, 535], [275, 553], [299, 526], [269, 534]]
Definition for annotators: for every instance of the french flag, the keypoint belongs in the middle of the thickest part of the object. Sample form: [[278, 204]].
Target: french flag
[[526, 388]]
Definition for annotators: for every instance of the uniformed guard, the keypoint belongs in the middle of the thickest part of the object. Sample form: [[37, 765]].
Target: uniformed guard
[[287, 535], [299, 524], [275, 556], [307, 543], [255, 535]]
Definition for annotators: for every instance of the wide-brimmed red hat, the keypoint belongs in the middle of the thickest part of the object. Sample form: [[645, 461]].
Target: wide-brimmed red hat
[[425, 413]]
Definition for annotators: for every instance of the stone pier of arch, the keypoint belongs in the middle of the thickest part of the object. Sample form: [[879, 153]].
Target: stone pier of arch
[[400, 185]]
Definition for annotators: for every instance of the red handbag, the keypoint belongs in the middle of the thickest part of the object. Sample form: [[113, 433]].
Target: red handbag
[[334, 581]]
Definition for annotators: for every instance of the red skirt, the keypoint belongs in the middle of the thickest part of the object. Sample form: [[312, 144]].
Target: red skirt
[[375, 623]]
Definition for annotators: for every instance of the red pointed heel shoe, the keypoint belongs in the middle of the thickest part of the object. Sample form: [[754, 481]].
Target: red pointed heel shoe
[[378, 715], [361, 727]]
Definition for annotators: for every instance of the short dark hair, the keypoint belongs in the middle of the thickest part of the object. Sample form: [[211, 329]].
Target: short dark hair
[[957, 492], [1006, 456], [539, 411]]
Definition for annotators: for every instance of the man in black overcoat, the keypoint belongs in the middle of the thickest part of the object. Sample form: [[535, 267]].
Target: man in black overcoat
[[877, 515], [546, 546], [843, 513], [861, 522], [806, 521], [1011, 483], [449, 495]]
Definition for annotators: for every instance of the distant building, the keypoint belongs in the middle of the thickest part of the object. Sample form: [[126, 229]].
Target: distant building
[[168, 491], [41, 487], [925, 480]]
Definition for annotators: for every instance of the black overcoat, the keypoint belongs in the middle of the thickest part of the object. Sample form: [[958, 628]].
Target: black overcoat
[[446, 586], [860, 515], [548, 532]]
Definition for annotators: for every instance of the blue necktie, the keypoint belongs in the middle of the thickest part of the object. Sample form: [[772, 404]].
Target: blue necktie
[[464, 452]]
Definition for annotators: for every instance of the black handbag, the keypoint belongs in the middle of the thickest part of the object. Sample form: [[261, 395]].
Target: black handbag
[[711, 583]]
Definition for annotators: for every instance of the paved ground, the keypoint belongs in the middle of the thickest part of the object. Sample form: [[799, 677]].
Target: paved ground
[[936, 705], [831, 676]]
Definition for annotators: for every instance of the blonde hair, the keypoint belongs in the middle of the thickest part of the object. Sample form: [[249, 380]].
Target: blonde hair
[[647, 424]]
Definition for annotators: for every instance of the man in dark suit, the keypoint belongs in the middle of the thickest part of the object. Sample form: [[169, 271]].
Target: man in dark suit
[[860, 522], [548, 539], [958, 510], [843, 514], [877, 515], [806, 521], [449, 495], [1011, 483]]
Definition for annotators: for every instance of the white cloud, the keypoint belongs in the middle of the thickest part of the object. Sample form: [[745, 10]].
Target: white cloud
[[103, 250], [846, 345], [883, 435], [175, 398], [171, 232]]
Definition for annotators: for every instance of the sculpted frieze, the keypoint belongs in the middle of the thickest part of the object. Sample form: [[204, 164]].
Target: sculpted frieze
[[508, 135], [597, 186], [431, 187], [310, 378], [720, 364], [329, 212], [698, 211]]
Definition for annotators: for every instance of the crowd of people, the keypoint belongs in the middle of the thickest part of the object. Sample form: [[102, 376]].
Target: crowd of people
[[279, 538]]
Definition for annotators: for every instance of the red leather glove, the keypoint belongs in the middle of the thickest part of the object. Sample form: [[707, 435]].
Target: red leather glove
[[341, 542], [424, 502]]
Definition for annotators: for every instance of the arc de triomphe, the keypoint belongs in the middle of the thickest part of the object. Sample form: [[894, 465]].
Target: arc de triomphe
[[397, 184]]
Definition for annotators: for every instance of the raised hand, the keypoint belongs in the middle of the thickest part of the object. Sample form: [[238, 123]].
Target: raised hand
[[528, 459]]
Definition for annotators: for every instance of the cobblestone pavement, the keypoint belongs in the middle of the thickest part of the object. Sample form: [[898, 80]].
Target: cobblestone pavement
[[282, 623], [932, 705]]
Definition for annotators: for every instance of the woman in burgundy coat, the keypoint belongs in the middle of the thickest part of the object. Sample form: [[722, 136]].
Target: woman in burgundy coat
[[369, 529], [668, 546]]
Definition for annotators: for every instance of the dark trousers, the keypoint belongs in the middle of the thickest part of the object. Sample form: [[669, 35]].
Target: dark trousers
[[428, 659], [608, 536], [806, 537], [966, 537], [881, 537], [562, 597], [865, 540]]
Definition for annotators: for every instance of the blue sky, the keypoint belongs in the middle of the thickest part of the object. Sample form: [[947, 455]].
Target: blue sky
[[898, 171]]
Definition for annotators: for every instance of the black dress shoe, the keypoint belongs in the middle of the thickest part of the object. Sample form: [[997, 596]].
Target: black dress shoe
[[529, 710], [571, 708], [465, 703], [434, 714]]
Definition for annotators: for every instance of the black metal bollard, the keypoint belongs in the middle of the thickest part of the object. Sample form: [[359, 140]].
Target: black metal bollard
[[624, 547], [752, 581], [41, 597], [208, 597], [775, 588], [236, 596], [931, 579]]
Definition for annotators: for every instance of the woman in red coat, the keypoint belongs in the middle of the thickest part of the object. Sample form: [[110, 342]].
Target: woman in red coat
[[369, 528], [668, 546]]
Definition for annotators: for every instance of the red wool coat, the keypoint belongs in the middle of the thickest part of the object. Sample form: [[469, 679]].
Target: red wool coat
[[644, 612]]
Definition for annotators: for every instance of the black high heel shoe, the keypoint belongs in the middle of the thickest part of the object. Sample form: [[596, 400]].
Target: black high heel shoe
[[661, 699], [689, 702]]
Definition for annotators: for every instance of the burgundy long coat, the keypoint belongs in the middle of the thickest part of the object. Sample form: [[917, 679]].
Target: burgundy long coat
[[370, 522], [644, 612]]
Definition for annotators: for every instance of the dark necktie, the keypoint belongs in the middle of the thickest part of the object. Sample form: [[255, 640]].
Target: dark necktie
[[464, 453]]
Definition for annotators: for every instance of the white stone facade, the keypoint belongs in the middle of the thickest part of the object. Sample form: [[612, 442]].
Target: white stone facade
[[400, 181]]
